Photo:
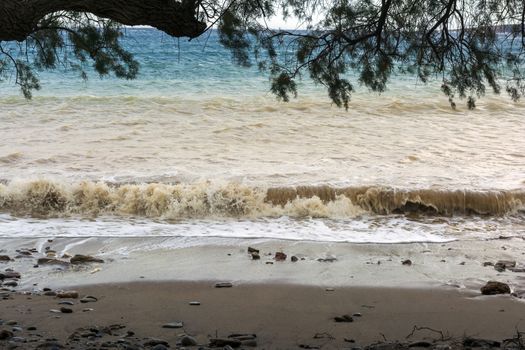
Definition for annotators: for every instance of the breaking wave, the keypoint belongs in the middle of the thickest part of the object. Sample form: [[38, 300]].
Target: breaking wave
[[206, 199]]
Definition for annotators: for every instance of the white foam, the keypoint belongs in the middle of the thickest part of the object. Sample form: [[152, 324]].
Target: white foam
[[363, 230]]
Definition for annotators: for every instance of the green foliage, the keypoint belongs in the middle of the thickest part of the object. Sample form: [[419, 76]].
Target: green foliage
[[88, 38], [101, 44], [283, 85], [26, 79]]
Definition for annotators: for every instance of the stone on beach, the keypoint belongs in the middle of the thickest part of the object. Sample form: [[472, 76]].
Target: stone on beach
[[68, 294], [155, 341], [4, 258], [407, 262], [173, 325], [66, 310], [50, 345], [223, 285], [188, 341], [158, 347], [501, 265], [255, 256], [494, 287], [480, 343], [253, 250], [9, 275], [280, 256], [88, 299], [4, 334], [51, 261], [84, 259], [344, 318], [328, 259]]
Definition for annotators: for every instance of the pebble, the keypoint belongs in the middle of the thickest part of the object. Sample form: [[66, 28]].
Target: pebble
[[357, 314], [253, 250], [10, 284], [195, 303], [329, 289], [18, 340], [66, 310], [188, 341], [5, 334], [4, 258], [17, 329], [173, 325], [344, 318], [11, 323], [223, 285], [88, 299], [420, 344], [66, 302], [55, 311], [407, 262], [87, 309], [494, 287], [501, 265], [9, 274], [280, 256], [159, 347], [242, 337], [31, 328], [51, 345], [294, 258], [256, 256], [68, 295], [51, 261], [84, 259], [155, 342]]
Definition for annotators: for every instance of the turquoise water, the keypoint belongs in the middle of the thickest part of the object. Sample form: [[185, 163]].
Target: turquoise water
[[167, 67], [176, 67]]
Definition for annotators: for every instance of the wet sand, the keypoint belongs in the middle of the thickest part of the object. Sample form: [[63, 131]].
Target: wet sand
[[286, 304], [282, 316]]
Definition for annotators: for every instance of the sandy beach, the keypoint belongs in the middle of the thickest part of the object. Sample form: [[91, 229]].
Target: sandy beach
[[286, 304], [281, 316]]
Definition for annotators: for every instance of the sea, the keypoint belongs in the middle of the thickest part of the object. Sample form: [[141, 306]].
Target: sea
[[198, 147]]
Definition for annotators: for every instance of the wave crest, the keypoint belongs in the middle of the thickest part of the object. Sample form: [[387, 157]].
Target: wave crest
[[206, 199]]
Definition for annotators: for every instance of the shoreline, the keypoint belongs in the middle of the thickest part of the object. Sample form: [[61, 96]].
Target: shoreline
[[146, 282], [282, 316], [465, 265]]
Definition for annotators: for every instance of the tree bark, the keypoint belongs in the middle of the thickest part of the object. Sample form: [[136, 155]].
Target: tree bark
[[19, 18]]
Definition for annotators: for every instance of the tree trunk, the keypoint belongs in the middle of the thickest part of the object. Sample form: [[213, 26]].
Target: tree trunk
[[19, 18]]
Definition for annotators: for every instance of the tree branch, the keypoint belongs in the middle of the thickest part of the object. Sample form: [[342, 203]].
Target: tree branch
[[19, 18]]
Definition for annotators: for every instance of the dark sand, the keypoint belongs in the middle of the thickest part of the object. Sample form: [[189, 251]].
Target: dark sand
[[282, 316]]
